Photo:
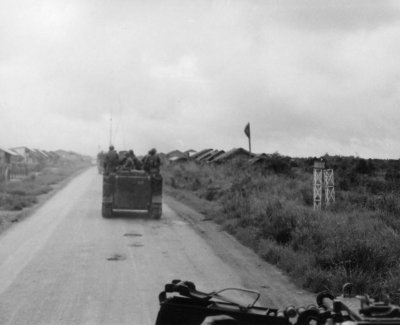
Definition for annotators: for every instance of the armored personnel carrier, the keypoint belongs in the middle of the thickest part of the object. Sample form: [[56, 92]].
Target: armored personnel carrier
[[132, 193]]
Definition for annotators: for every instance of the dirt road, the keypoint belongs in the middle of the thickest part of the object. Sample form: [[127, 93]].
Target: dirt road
[[65, 264]]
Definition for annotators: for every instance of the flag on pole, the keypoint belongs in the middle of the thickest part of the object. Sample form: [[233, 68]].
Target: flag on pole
[[247, 130]]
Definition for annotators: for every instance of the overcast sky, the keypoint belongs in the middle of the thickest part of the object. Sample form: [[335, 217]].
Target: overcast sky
[[311, 77]]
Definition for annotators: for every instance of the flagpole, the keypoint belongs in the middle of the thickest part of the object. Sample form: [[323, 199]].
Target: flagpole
[[247, 131], [250, 145]]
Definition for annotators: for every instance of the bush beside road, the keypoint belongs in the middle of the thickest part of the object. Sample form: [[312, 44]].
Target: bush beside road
[[355, 240], [20, 195]]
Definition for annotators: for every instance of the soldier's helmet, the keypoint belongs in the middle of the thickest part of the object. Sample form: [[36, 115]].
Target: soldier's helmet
[[111, 147], [152, 151], [131, 152]]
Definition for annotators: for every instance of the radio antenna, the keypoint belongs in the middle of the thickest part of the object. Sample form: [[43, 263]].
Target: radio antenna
[[110, 129]]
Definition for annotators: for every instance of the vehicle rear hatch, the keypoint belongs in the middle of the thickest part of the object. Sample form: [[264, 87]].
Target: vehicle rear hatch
[[132, 192]]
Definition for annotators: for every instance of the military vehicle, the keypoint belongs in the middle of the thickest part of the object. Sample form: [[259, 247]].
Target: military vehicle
[[132, 193]]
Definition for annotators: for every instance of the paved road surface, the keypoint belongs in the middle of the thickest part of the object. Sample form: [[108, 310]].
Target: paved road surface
[[65, 264]]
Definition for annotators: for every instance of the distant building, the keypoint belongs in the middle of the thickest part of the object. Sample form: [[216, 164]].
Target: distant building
[[175, 153], [8, 156], [190, 152], [176, 159], [41, 156], [204, 157], [259, 160], [236, 153], [28, 154], [176, 156], [53, 157], [200, 153], [215, 155]]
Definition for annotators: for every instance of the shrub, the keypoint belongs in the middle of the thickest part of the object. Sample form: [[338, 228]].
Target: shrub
[[269, 250], [279, 164], [376, 186], [307, 195], [21, 194], [354, 240], [363, 167]]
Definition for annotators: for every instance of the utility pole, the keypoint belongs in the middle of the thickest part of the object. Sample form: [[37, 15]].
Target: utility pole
[[110, 130]]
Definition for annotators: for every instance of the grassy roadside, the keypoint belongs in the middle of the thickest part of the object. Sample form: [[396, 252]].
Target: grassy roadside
[[270, 212], [19, 196]]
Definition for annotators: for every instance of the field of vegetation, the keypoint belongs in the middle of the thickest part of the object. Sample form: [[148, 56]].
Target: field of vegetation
[[25, 192], [270, 209]]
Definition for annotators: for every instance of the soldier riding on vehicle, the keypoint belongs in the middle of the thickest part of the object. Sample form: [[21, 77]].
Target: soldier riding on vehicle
[[131, 161], [111, 161], [152, 162]]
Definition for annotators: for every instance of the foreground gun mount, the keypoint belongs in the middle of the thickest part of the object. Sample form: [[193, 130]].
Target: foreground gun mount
[[182, 304], [132, 192]]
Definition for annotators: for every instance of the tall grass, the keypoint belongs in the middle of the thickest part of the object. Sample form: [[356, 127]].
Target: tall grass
[[356, 240], [19, 194]]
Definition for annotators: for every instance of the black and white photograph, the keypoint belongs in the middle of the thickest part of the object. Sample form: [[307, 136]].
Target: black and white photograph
[[200, 162]]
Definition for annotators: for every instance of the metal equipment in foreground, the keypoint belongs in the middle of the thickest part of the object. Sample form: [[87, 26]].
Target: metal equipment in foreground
[[182, 304], [132, 192]]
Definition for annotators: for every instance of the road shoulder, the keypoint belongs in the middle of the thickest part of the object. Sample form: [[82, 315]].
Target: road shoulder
[[11, 218], [276, 288]]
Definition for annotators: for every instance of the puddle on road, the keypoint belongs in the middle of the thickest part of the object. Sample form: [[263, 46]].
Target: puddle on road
[[116, 257], [132, 234], [136, 245]]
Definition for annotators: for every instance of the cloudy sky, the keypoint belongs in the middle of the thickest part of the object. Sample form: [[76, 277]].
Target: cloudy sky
[[311, 76]]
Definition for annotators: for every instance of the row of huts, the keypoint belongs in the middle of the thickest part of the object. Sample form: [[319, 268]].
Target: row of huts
[[20, 161], [27, 155], [213, 156]]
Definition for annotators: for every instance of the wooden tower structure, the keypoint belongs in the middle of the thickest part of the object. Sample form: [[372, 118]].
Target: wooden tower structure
[[329, 183], [319, 167]]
